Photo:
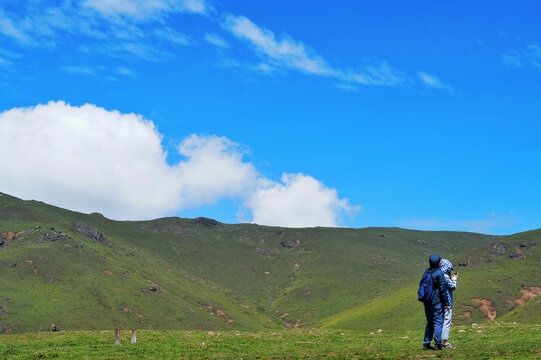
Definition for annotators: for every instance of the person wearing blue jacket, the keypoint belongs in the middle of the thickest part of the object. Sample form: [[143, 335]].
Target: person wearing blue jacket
[[446, 267], [434, 308]]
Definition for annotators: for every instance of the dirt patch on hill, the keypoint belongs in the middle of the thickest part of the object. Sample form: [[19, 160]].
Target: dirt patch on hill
[[215, 311], [467, 315], [466, 262], [529, 292], [487, 307], [295, 324], [10, 235], [6, 237]]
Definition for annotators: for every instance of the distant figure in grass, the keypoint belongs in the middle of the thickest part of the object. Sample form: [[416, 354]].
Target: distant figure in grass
[[446, 267], [432, 293]]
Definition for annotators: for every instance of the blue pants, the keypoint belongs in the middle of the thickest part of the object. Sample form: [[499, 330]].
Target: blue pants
[[434, 323]]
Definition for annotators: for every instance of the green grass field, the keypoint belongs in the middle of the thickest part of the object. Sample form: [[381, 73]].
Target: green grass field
[[494, 341], [180, 274], [265, 292]]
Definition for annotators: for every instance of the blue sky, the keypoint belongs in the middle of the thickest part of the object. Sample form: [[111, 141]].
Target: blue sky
[[417, 114]]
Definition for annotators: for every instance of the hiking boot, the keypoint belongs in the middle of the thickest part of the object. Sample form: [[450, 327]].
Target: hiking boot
[[427, 347], [448, 346]]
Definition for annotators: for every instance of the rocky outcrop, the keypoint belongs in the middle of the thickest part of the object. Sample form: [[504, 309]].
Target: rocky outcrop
[[91, 233], [497, 249], [206, 222], [517, 255], [288, 243], [53, 235], [263, 252]]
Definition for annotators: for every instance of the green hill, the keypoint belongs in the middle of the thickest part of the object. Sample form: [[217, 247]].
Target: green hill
[[90, 272], [496, 282]]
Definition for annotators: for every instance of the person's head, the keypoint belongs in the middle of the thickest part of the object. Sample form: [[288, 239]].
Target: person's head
[[446, 266], [434, 261]]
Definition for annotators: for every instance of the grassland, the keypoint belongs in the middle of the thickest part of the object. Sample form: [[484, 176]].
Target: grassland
[[495, 283], [495, 341], [189, 274]]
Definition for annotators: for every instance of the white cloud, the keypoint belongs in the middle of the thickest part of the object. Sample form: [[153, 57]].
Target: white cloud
[[512, 60], [346, 86], [172, 35], [377, 74], [286, 51], [531, 55], [90, 159], [141, 50], [265, 68], [295, 55], [196, 6], [125, 71], [122, 26], [216, 40], [433, 81], [11, 29], [145, 10], [298, 201], [214, 170], [5, 62], [78, 69], [38, 26], [489, 224]]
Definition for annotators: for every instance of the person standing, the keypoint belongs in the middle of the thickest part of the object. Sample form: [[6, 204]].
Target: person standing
[[435, 306], [450, 281]]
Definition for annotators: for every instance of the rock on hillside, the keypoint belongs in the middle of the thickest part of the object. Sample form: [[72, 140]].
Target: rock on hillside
[[91, 233]]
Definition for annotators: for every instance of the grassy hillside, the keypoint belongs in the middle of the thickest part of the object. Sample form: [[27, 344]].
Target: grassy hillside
[[51, 273], [298, 275], [498, 280], [94, 273], [498, 341]]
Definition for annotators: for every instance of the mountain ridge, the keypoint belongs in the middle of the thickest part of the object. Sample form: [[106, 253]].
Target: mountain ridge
[[174, 273]]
